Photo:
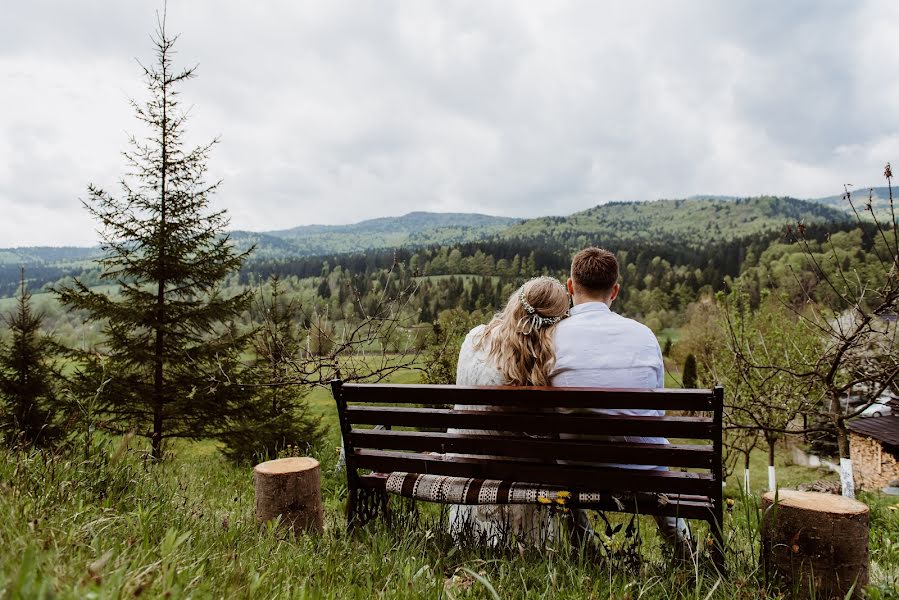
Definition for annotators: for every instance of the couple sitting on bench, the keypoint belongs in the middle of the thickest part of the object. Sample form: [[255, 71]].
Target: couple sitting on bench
[[537, 340]]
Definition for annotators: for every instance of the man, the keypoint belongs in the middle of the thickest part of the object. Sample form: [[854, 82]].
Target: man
[[598, 348]]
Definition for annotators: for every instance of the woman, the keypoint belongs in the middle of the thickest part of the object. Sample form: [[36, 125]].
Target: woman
[[514, 348]]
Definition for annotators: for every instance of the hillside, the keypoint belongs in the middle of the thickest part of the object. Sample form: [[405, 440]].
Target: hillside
[[35, 255], [668, 228], [412, 229], [692, 222], [880, 200]]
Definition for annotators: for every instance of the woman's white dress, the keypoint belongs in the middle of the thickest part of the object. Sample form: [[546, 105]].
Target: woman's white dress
[[527, 523]]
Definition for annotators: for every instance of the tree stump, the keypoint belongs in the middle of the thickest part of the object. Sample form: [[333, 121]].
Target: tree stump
[[291, 488], [815, 541]]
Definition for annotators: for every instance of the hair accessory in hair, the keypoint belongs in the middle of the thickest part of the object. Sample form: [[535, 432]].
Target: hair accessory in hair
[[533, 321]]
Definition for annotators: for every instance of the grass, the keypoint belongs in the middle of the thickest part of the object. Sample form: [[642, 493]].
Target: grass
[[106, 524], [102, 522]]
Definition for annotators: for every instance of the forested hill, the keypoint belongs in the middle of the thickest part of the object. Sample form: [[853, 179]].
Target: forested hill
[[35, 255], [671, 252], [710, 234], [878, 196], [45, 265], [694, 222], [413, 229]]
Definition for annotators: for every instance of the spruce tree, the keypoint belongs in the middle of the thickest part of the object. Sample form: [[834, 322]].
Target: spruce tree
[[667, 349], [30, 409], [279, 416], [690, 375], [168, 338]]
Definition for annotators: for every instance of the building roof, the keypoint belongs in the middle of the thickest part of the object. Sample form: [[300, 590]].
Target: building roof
[[885, 429]]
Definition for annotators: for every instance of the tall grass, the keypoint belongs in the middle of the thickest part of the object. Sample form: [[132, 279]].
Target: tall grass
[[102, 522]]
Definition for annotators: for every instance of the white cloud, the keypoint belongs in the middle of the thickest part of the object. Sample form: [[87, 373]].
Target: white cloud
[[339, 111]]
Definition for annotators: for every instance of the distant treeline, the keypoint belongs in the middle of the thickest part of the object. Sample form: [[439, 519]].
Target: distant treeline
[[660, 278]]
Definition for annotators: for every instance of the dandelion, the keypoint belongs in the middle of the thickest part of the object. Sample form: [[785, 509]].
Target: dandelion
[[544, 500], [730, 504]]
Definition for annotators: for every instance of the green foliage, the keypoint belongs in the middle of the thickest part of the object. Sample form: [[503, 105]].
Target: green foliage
[[878, 197], [278, 415], [413, 229], [167, 334], [690, 377], [694, 222], [762, 396], [31, 409], [804, 272], [187, 527], [442, 353]]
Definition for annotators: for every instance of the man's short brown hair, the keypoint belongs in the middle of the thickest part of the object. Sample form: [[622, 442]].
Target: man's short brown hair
[[594, 270]]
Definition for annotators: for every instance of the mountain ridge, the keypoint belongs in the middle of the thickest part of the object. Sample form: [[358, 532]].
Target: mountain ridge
[[418, 228]]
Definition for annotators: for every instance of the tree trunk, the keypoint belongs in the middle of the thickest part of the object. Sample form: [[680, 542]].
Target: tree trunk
[[159, 346], [804, 428], [772, 475], [815, 541], [746, 471], [847, 476], [291, 488]]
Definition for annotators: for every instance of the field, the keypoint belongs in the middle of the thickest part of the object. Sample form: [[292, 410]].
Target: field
[[101, 522]]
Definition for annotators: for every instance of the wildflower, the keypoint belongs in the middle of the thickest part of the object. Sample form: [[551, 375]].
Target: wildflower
[[710, 541], [544, 500], [563, 494], [730, 504]]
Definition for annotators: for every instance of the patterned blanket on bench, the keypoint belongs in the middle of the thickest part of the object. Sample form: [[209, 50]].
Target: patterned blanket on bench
[[464, 490]]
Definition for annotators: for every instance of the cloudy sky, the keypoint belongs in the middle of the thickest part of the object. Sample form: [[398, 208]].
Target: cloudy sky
[[337, 111]]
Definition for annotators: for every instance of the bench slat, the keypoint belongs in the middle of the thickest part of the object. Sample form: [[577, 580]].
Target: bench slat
[[673, 427], [530, 397], [571, 476], [698, 456]]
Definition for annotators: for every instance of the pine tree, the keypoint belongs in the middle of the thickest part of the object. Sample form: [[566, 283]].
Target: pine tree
[[667, 349], [29, 406], [324, 289], [279, 416], [690, 375], [168, 337]]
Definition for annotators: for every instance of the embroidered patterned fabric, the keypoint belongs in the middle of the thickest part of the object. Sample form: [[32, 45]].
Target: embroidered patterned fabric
[[464, 490]]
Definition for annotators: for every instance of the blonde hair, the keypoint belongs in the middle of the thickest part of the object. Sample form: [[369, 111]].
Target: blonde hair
[[520, 337]]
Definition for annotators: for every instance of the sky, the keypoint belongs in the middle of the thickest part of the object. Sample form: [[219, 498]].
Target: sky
[[337, 111]]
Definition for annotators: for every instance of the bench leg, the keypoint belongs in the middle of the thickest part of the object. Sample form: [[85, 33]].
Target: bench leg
[[365, 505]]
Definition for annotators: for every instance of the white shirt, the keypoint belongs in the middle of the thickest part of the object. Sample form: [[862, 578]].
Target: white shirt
[[598, 348]]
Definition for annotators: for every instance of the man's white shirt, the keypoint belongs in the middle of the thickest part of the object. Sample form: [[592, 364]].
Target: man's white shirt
[[598, 348]]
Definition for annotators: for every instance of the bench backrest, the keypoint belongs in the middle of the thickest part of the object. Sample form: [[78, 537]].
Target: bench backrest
[[546, 414]]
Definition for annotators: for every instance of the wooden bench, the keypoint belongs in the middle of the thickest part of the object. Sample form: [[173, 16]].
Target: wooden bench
[[425, 412]]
